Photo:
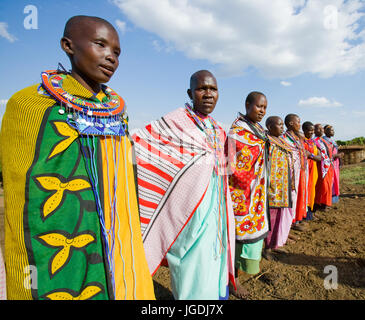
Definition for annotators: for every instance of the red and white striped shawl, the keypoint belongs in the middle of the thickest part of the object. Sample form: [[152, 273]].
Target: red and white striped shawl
[[326, 154], [174, 167]]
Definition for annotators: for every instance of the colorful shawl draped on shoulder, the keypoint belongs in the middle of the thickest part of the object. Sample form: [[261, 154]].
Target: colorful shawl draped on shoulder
[[336, 166], [72, 227], [326, 154], [302, 167], [247, 150], [332, 142], [310, 145], [175, 162], [281, 171], [297, 145]]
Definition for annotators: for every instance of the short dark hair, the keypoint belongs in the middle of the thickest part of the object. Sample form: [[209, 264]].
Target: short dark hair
[[75, 21], [290, 118], [270, 120], [306, 125], [252, 96], [194, 77]]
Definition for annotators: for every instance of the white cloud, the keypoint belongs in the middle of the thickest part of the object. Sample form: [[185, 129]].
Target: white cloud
[[285, 83], [159, 46], [281, 38], [4, 32], [122, 26], [3, 101], [320, 102]]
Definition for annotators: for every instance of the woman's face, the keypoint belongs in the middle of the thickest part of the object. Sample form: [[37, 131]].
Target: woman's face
[[256, 110]]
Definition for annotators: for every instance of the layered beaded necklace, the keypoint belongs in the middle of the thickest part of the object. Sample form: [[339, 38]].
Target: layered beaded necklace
[[298, 144], [87, 116], [211, 134]]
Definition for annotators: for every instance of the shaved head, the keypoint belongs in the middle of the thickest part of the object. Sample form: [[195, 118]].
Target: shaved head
[[198, 75], [318, 129], [318, 125], [93, 47], [252, 96], [289, 118], [77, 24], [203, 91], [275, 125], [307, 125], [272, 120]]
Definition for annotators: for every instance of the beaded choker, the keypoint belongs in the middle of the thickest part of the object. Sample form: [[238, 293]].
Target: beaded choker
[[85, 115]]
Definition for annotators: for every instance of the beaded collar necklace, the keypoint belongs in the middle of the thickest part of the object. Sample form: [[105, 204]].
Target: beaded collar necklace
[[52, 81], [300, 147], [85, 115], [281, 143]]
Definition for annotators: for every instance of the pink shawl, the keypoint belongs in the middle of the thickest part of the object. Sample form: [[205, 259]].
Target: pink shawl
[[336, 166], [174, 167]]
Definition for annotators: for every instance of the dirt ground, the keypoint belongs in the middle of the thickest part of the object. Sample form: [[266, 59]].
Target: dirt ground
[[336, 238], [2, 220]]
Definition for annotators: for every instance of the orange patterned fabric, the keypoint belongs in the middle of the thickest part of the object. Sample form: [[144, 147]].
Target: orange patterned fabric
[[325, 174], [312, 172]]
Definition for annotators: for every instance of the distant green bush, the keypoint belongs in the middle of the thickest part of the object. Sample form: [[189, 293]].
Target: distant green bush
[[355, 141], [353, 175]]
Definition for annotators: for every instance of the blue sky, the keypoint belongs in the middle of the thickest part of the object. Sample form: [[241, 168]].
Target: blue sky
[[307, 56]]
